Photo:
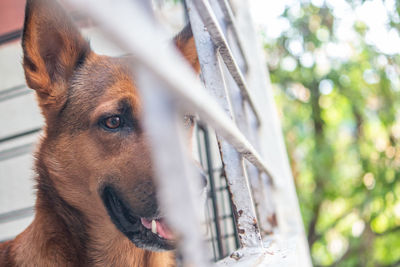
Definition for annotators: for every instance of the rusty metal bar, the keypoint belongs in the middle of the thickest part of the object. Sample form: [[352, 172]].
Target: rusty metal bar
[[230, 21], [244, 119], [245, 216], [271, 145], [263, 204], [219, 41]]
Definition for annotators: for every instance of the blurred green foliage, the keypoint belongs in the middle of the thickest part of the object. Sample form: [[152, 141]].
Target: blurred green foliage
[[341, 118]]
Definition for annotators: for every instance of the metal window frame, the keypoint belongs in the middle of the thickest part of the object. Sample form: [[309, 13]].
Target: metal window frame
[[236, 117], [10, 36], [222, 236]]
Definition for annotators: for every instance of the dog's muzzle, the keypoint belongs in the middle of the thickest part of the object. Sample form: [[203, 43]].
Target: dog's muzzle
[[147, 233], [150, 233]]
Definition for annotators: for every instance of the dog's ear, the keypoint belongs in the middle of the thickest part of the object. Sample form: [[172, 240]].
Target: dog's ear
[[184, 41], [53, 48]]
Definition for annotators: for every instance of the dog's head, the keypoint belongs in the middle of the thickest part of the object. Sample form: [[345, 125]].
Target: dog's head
[[94, 148]]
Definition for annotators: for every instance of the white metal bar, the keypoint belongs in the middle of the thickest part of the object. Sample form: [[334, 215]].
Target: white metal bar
[[272, 146], [118, 20], [263, 204], [245, 120], [16, 214], [245, 215], [230, 20], [174, 179], [219, 40]]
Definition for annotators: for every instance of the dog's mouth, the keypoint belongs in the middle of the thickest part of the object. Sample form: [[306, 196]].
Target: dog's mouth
[[158, 227], [147, 233]]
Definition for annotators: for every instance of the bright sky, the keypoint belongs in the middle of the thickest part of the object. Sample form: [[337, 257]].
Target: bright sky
[[373, 13]]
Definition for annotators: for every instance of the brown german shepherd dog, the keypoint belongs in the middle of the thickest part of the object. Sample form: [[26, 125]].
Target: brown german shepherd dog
[[96, 201]]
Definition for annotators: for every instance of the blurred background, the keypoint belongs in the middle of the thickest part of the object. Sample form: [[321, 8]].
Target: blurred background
[[334, 66]]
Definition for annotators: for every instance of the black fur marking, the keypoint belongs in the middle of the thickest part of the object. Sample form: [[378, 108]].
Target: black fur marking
[[6, 256], [60, 113], [185, 34], [82, 57], [131, 122], [29, 63], [26, 21]]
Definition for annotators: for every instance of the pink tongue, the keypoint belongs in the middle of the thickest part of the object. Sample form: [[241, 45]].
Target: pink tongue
[[146, 223], [162, 228]]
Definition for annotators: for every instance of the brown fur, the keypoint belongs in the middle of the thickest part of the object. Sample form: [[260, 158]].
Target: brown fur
[[76, 158]]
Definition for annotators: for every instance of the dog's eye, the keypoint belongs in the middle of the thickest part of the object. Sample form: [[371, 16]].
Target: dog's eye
[[113, 122]]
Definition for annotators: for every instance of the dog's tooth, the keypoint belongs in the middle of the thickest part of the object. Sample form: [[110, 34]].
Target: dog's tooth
[[154, 226]]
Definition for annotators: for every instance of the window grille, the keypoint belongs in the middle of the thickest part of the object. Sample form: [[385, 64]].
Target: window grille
[[236, 104], [222, 237]]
